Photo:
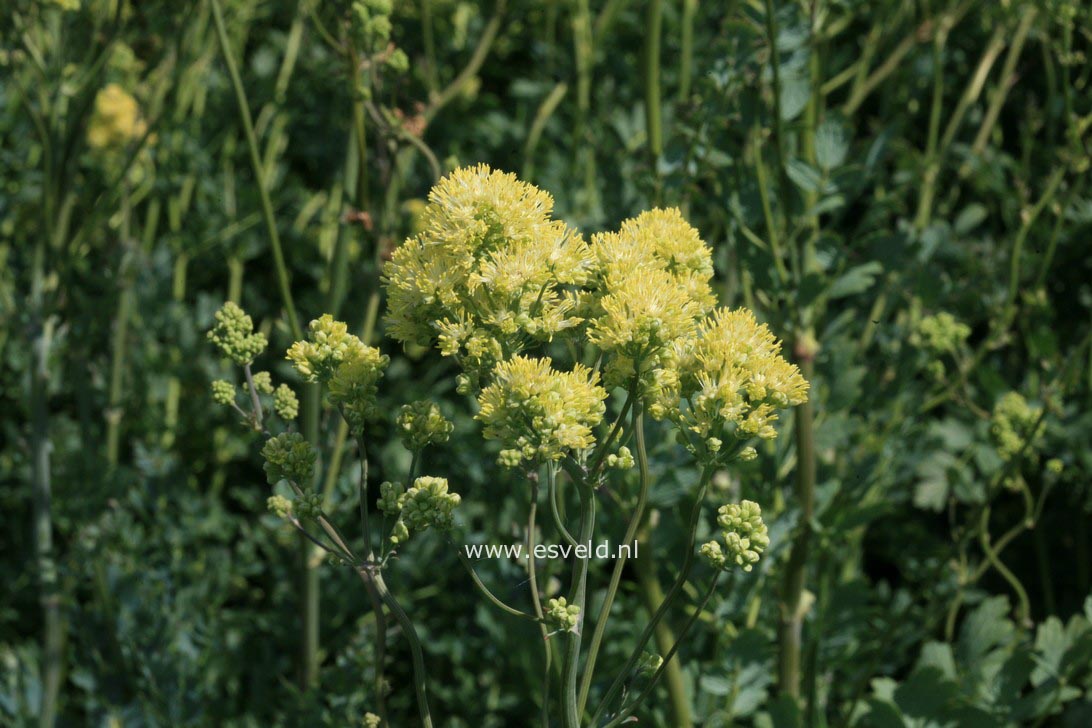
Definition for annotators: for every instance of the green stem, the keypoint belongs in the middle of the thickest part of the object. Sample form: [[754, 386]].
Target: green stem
[[578, 594], [665, 604], [259, 176], [652, 595], [653, 112], [120, 338], [792, 604], [1004, 84], [620, 562], [1023, 612], [555, 511], [420, 679], [686, 52], [668, 658], [536, 599], [489, 595], [41, 447]]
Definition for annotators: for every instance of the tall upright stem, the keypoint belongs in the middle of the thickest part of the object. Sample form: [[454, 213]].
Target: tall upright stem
[[792, 611], [578, 592], [41, 447], [653, 113], [620, 562]]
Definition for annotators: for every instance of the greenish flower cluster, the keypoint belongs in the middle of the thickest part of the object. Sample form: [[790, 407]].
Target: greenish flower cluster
[[1011, 426], [623, 460], [561, 616], [285, 403], [288, 457], [539, 413], [233, 333], [371, 720], [350, 369], [941, 333], [421, 424], [371, 25], [223, 392], [427, 504], [279, 506], [745, 537], [263, 382]]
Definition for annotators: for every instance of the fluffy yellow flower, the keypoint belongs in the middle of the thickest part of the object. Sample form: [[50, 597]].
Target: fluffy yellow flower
[[490, 272], [650, 290], [539, 413], [116, 119], [735, 379]]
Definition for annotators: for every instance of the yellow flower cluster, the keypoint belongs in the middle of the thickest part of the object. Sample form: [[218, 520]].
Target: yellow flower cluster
[[350, 368], [734, 379], [650, 290], [490, 273], [539, 413], [116, 119]]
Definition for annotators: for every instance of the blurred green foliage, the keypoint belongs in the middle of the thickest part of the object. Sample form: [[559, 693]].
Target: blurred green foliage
[[861, 169]]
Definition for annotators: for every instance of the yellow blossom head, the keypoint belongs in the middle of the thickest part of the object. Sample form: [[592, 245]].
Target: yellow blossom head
[[116, 120], [539, 413], [734, 379], [490, 273]]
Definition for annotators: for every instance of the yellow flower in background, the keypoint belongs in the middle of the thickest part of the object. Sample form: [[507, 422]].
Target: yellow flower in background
[[116, 120], [539, 413]]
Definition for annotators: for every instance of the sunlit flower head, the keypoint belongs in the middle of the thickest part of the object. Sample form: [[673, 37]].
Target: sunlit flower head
[[539, 413], [734, 379], [490, 272]]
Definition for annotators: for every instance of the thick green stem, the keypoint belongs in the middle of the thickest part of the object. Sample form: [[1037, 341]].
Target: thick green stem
[[41, 486], [620, 562], [578, 594], [792, 602]]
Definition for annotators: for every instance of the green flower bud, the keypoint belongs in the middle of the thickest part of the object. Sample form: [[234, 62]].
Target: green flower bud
[[649, 664], [285, 403], [747, 454], [745, 534], [371, 720], [399, 532], [263, 382], [289, 457], [429, 504], [713, 555], [390, 498], [310, 506], [398, 61], [234, 335], [223, 392], [421, 424], [279, 506], [561, 616], [622, 461]]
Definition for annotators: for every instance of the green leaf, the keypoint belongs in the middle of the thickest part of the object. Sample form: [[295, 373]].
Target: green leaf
[[984, 629], [831, 144], [855, 280]]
